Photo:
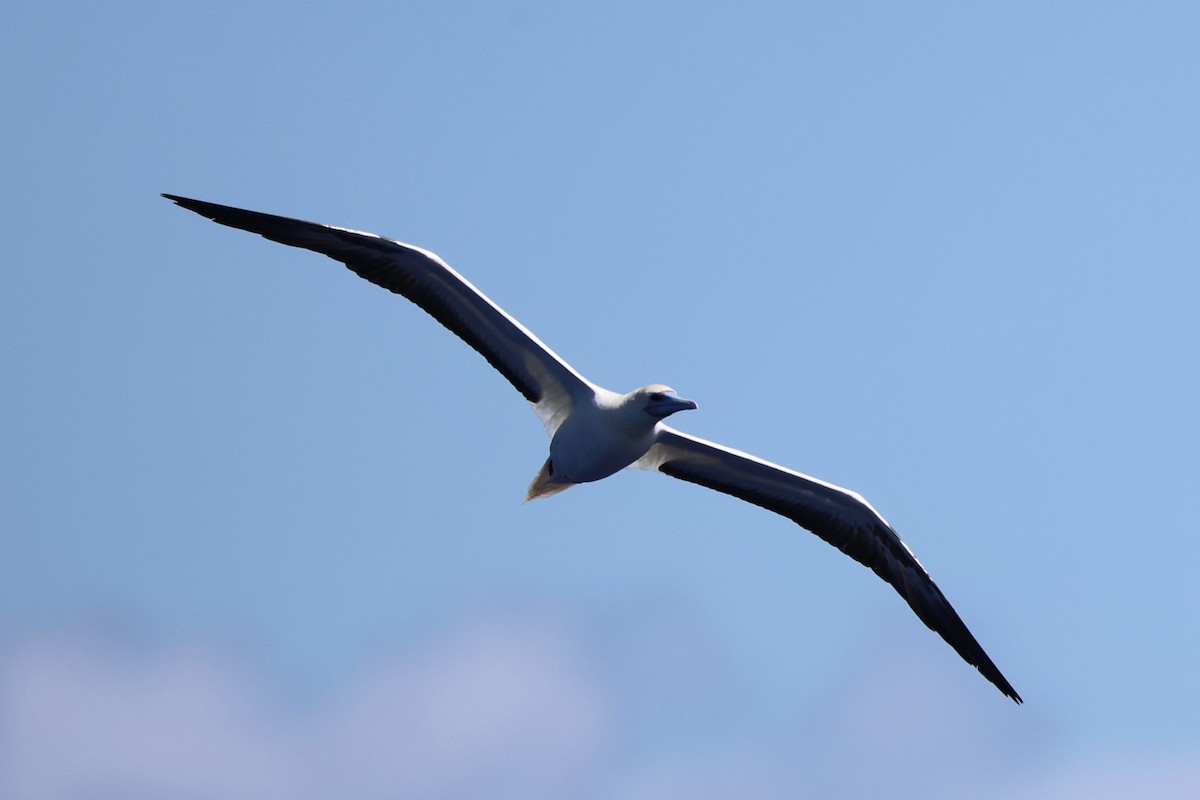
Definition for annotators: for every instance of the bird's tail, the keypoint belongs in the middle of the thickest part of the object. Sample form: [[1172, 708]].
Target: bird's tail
[[542, 486]]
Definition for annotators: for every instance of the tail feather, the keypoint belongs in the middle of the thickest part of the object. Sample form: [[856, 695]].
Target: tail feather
[[542, 486]]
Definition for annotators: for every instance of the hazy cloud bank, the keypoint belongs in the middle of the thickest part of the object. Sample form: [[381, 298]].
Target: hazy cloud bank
[[516, 706]]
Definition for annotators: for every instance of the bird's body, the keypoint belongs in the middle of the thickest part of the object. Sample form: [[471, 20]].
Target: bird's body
[[596, 432], [604, 434]]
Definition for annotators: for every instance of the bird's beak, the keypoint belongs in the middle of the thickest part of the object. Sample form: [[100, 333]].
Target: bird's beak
[[672, 404]]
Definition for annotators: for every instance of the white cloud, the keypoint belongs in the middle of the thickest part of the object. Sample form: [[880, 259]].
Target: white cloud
[[82, 718], [518, 706], [502, 704], [1162, 776]]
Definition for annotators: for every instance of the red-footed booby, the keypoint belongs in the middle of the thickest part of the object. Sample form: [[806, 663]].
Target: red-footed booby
[[595, 432]]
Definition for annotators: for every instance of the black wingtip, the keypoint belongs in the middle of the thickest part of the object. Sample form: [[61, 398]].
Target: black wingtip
[[276, 228], [986, 667], [199, 206], [1001, 683]]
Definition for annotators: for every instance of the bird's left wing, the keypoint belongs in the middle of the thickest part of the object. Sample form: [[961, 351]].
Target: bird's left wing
[[839, 516], [537, 372]]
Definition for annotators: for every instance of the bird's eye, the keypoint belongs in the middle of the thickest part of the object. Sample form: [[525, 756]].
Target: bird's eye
[[657, 397]]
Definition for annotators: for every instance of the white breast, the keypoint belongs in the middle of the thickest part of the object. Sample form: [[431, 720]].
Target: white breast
[[600, 438]]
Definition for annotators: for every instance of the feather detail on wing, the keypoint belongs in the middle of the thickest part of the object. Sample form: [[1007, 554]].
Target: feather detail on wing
[[534, 369], [840, 517]]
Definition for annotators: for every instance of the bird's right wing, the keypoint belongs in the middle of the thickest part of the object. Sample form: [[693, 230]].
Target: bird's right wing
[[839, 516], [534, 369]]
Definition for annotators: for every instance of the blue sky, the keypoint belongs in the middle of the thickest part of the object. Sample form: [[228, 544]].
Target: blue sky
[[262, 530]]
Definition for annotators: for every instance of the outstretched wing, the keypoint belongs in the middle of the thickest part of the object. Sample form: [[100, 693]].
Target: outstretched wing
[[534, 369], [840, 517]]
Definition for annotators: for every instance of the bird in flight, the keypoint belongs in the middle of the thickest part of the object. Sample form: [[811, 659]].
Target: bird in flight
[[596, 432]]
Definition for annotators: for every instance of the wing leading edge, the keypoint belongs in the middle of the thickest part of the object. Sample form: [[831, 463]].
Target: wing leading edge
[[536, 371], [840, 517]]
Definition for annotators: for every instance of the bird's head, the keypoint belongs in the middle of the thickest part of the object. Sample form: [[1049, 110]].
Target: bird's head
[[661, 401]]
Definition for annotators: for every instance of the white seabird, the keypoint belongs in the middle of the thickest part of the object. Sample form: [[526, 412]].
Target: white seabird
[[595, 432]]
